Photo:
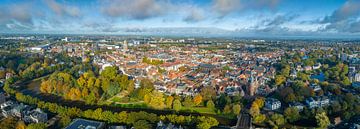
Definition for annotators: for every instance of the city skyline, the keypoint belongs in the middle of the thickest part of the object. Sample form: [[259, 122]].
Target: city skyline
[[273, 18]]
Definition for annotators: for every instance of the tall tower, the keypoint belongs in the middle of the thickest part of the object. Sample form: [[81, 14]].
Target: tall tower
[[125, 46], [254, 84]]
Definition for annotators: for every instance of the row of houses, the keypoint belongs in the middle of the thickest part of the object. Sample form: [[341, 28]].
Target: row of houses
[[311, 102], [24, 112], [28, 114]]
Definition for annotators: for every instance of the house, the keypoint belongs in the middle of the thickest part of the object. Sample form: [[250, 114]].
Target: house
[[79, 123], [311, 103], [2, 97], [272, 104], [324, 101], [315, 87], [8, 75], [307, 68], [293, 73], [297, 105], [161, 125], [19, 110], [357, 77], [317, 66], [6, 104], [6, 111], [35, 116], [317, 101]]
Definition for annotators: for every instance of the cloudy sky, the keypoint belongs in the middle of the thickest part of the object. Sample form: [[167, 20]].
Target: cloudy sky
[[243, 17]]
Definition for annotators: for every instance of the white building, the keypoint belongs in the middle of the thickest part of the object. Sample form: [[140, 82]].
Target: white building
[[357, 77], [272, 104]]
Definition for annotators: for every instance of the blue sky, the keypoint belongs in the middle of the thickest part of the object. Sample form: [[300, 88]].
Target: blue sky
[[242, 17]]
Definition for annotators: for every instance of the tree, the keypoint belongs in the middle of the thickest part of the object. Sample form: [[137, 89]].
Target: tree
[[277, 120], [208, 93], [65, 121], [8, 123], [169, 101], [142, 124], [36, 126], [210, 104], [335, 107], [109, 72], [157, 100], [259, 118], [292, 114], [260, 101], [236, 109], [279, 79], [322, 120], [177, 105], [227, 109], [346, 81], [187, 102], [197, 100], [206, 122], [20, 125], [290, 98], [254, 110]]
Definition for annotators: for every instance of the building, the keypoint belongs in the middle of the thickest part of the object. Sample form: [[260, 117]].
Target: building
[[254, 84], [161, 125], [79, 123], [293, 73], [19, 110], [317, 101], [8, 75], [297, 105], [315, 87], [317, 66], [311, 103], [35, 116], [2, 98], [272, 104], [357, 77]]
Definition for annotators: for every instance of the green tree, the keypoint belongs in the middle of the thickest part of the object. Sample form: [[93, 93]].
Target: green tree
[[279, 80], [210, 104], [292, 114], [169, 101], [277, 120], [157, 100], [259, 118], [177, 105], [142, 124], [322, 120], [65, 121], [227, 109], [206, 122], [236, 109], [187, 102], [36, 126], [346, 81], [290, 98]]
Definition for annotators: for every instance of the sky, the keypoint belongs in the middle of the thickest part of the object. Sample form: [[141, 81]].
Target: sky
[[235, 17]]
